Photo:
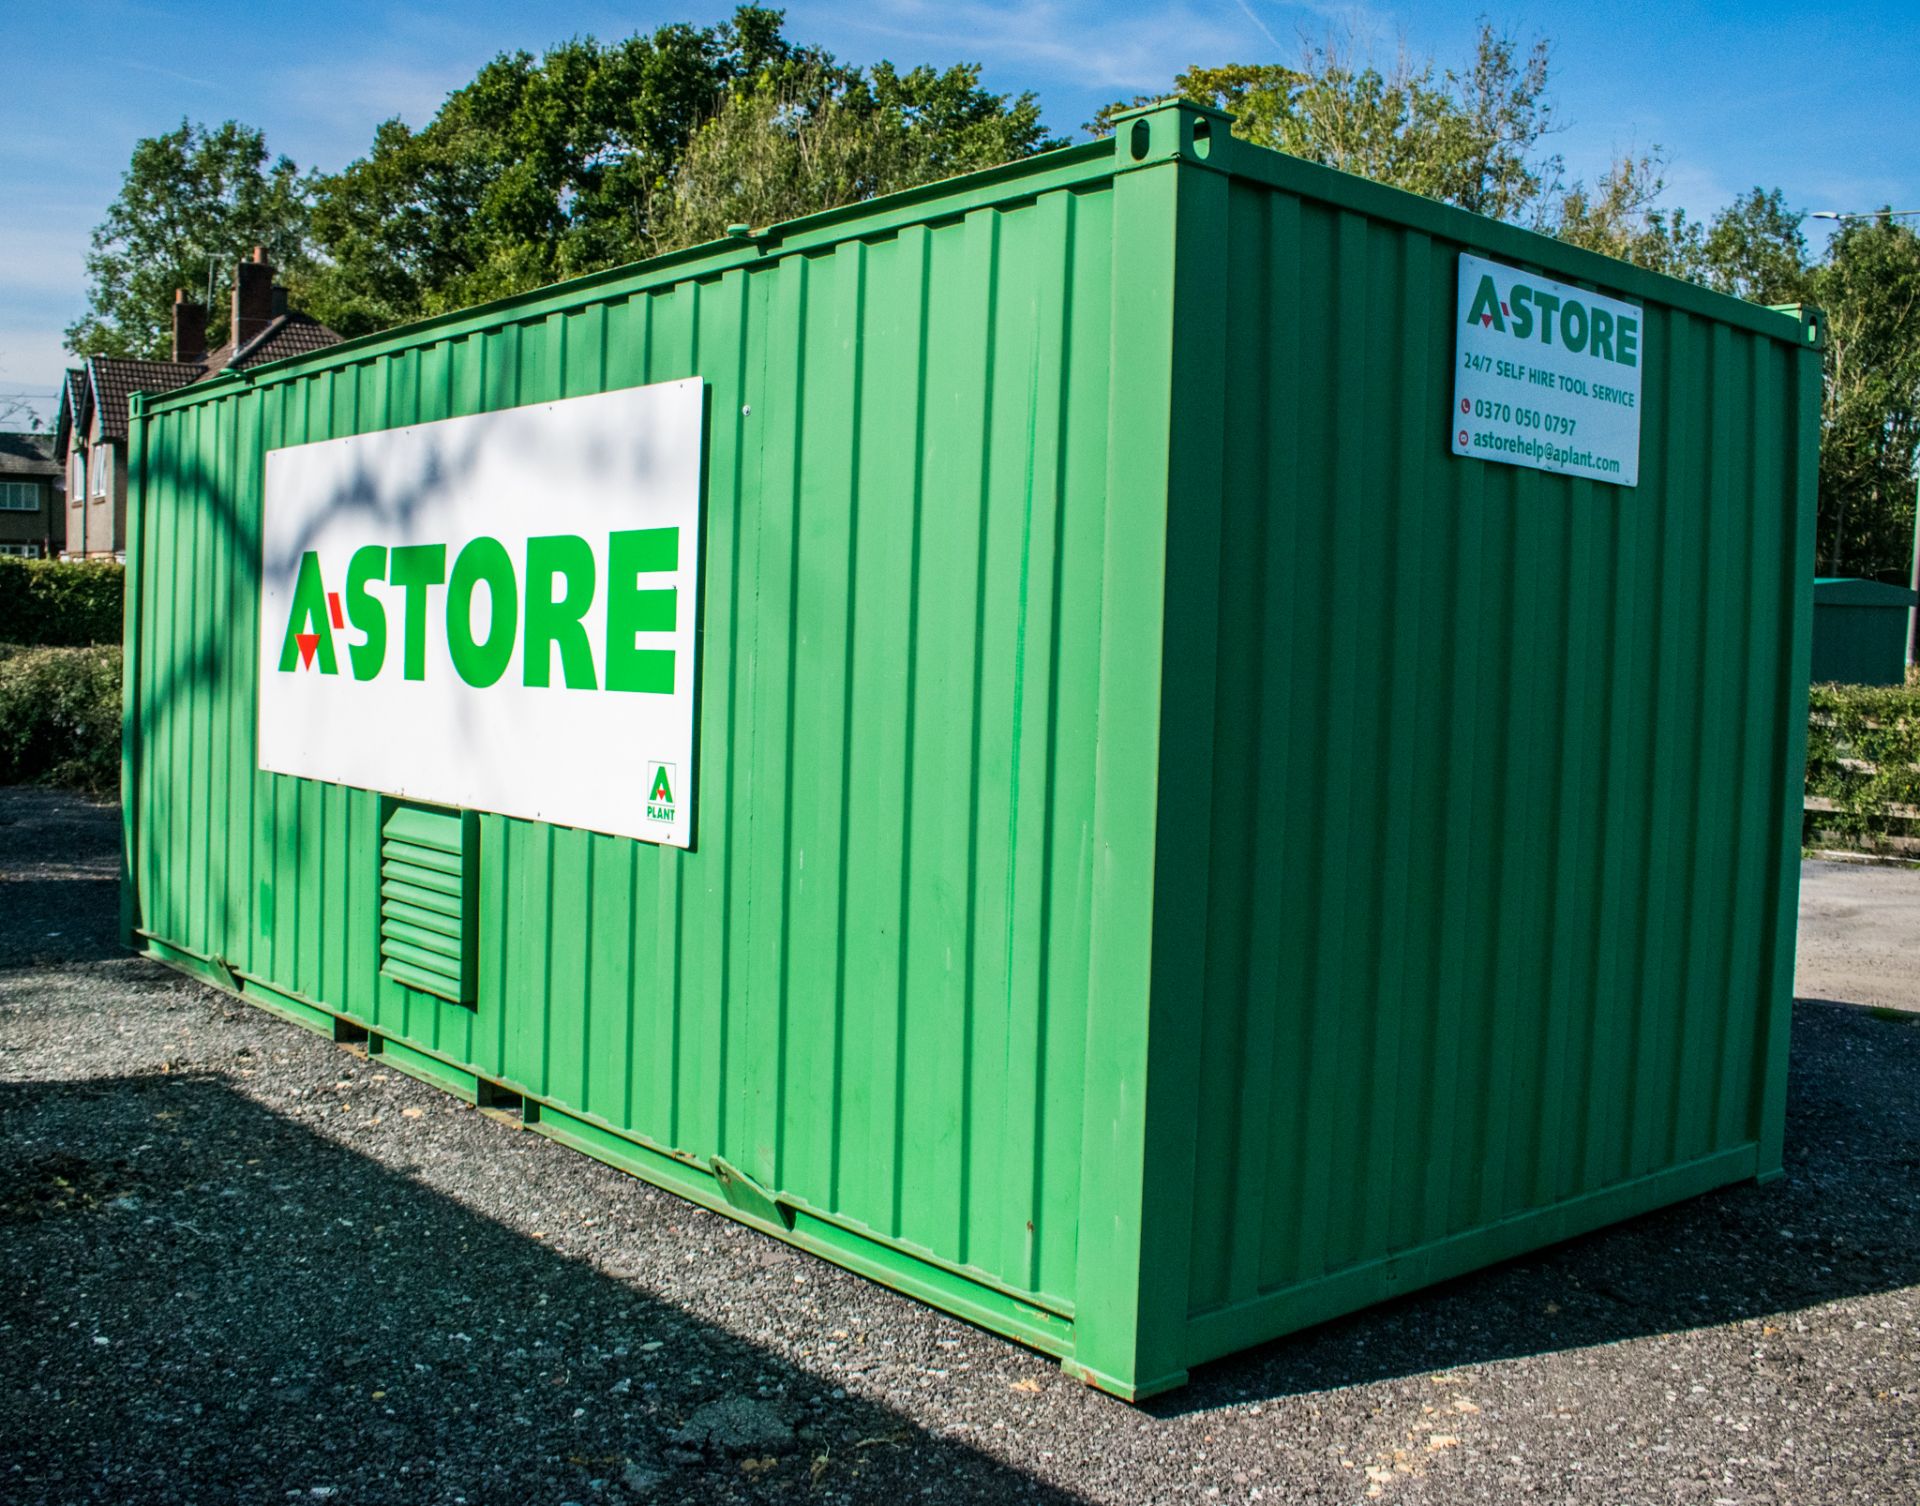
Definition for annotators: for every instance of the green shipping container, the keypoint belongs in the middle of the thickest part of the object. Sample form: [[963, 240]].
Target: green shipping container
[[1180, 853], [1859, 631]]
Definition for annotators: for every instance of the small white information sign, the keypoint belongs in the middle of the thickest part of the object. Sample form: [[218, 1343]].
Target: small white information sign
[[496, 611], [1546, 375]]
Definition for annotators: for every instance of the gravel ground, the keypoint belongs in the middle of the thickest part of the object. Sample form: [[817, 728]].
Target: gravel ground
[[241, 1264], [1860, 934]]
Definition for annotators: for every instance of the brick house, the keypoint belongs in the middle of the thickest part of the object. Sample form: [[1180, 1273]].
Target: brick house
[[91, 433], [31, 501]]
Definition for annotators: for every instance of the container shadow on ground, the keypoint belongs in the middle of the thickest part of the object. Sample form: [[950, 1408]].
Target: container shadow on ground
[[1844, 1221], [59, 878], [206, 1299], [127, 1206]]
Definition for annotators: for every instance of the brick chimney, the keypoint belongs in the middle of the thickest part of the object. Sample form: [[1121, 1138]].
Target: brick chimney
[[189, 329], [252, 296]]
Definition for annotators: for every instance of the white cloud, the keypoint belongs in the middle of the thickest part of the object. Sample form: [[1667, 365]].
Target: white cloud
[[1088, 46]]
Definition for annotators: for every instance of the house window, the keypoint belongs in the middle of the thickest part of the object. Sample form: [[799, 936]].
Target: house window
[[102, 457], [19, 496], [21, 551]]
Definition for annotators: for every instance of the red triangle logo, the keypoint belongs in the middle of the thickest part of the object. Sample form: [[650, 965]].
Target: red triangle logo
[[308, 643], [1486, 320]]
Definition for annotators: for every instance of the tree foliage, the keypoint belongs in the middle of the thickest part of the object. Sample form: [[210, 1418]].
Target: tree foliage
[[1475, 137], [1863, 755], [793, 146], [195, 197], [540, 168], [537, 170], [595, 154], [60, 717], [65, 602], [1869, 286], [1756, 250], [1620, 216]]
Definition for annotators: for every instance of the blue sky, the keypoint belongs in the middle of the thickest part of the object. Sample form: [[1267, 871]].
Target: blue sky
[[1818, 101]]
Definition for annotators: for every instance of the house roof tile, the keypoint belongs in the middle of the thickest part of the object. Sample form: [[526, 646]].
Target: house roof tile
[[29, 455], [115, 379], [106, 382], [290, 334]]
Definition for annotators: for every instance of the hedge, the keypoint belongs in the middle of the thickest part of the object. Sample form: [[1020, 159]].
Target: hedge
[[1863, 754], [60, 717], [70, 602]]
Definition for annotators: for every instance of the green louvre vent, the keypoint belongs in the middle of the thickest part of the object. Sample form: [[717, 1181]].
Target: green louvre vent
[[427, 869]]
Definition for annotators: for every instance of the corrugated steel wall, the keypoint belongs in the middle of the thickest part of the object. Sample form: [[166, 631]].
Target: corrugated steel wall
[[1497, 774], [866, 986], [1195, 936]]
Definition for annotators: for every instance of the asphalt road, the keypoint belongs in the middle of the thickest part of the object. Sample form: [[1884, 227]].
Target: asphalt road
[[1860, 934], [240, 1264]]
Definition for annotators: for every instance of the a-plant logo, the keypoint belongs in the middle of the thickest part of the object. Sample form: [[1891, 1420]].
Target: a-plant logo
[[445, 607], [660, 792], [1536, 313], [538, 602]]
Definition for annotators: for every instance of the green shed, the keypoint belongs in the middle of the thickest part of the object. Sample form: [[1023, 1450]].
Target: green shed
[[1860, 631], [1085, 741]]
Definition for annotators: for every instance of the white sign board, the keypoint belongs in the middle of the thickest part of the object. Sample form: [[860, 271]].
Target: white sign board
[[495, 612], [1546, 375]]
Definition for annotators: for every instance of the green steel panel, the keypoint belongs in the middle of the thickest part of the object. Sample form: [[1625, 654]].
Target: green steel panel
[[1850, 591], [1859, 645], [1180, 855], [1859, 632], [1495, 785]]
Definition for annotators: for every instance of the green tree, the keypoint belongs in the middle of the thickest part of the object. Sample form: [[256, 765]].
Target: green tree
[[1755, 249], [537, 170], [1619, 216], [781, 149], [1474, 137], [1869, 287], [542, 169], [1477, 137], [194, 198]]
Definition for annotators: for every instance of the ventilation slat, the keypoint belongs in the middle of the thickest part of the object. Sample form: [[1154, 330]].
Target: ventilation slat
[[437, 942], [423, 827], [447, 906], [420, 957], [429, 858], [421, 878], [426, 980], [428, 868], [397, 910]]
